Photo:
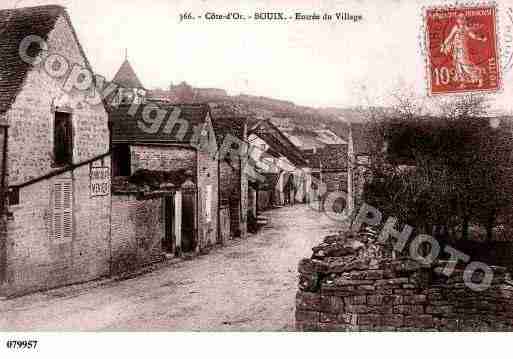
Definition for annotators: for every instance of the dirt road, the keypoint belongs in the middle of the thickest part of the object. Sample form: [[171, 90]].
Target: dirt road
[[247, 285]]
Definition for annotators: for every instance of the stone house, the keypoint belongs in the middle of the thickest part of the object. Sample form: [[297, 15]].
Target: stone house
[[55, 207], [165, 193], [274, 153]]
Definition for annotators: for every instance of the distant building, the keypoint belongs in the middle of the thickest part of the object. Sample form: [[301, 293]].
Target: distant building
[[55, 163], [329, 164], [185, 93], [274, 153], [313, 139], [130, 88]]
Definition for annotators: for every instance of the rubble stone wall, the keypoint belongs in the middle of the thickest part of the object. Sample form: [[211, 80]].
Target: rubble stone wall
[[163, 158], [137, 232], [208, 199], [206, 172], [354, 293], [35, 259], [31, 117], [335, 181], [230, 192]]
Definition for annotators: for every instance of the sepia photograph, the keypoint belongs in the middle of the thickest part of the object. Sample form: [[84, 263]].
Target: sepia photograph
[[171, 166]]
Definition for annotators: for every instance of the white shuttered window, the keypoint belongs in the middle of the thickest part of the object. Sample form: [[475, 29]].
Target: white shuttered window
[[62, 216]]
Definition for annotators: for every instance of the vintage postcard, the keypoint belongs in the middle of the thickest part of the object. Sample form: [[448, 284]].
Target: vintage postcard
[[297, 166]]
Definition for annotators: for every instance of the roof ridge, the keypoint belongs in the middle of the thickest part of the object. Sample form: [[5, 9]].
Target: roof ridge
[[47, 6]]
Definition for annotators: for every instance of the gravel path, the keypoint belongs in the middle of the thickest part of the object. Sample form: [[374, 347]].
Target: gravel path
[[247, 285]]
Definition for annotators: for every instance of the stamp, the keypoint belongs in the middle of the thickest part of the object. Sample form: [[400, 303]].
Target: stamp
[[462, 49]]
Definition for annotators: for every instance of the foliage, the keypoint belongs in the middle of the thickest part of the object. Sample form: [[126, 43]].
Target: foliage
[[450, 170]]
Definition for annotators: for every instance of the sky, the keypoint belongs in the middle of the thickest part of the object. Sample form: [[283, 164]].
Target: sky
[[319, 64]]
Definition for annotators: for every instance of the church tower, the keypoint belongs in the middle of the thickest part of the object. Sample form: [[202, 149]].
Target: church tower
[[131, 89]]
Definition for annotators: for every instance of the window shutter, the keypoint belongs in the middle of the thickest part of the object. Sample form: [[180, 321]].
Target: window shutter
[[67, 220], [57, 212], [62, 212]]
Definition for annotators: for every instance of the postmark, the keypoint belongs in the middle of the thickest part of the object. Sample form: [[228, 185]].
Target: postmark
[[462, 49]]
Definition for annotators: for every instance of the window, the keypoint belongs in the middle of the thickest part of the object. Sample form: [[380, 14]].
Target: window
[[14, 196], [62, 212], [63, 139], [121, 160]]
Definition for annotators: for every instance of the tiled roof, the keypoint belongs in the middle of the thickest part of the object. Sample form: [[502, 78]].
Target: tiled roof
[[126, 77], [228, 125], [15, 25], [279, 142], [308, 139], [128, 128], [304, 141], [329, 137]]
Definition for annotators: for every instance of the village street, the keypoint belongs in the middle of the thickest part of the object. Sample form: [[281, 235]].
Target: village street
[[249, 285]]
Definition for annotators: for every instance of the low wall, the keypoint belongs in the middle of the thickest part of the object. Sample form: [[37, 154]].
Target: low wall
[[137, 232], [351, 291]]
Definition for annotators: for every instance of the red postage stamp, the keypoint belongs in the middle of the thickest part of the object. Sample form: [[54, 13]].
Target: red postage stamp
[[462, 49]]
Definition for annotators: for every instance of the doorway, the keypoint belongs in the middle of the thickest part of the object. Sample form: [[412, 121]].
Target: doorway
[[169, 245], [188, 222]]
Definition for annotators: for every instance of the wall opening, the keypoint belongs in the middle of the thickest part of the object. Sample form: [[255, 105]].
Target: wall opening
[[169, 245], [121, 162], [63, 139]]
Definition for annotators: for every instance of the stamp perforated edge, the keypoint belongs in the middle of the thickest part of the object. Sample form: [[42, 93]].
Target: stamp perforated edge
[[424, 45]]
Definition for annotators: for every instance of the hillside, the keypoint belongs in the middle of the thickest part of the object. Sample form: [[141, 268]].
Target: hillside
[[284, 114], [288, 115]]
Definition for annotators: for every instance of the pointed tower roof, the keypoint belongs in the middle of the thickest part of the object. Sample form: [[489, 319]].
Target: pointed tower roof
[[126, 76]]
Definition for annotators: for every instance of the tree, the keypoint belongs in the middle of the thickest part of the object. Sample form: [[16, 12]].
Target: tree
[[445, 171]]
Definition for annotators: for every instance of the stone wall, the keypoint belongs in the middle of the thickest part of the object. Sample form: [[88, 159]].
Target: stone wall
[[230, 192], [335, 181], [137, 232], [205, 172], [163, 158], [31, 117], [35, 258], [208, 203], [244, 190], [347, 291]]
